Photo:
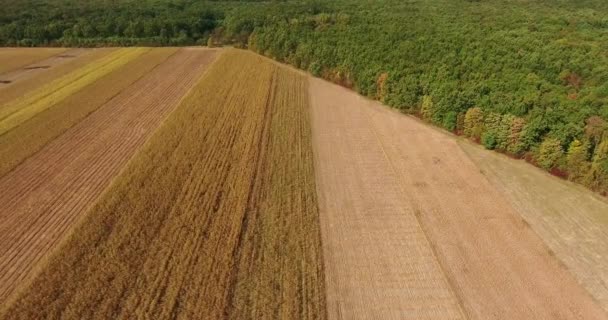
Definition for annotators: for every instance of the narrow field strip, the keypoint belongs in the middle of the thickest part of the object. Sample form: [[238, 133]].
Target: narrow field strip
[[14, 113], [15, 58], [29, 137], [379, 263], [23, 82], [44, 196], [224, 189], [279, 244]]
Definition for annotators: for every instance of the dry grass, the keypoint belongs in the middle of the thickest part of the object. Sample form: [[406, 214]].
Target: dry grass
[[15, 58], [59, 68], [17, 111], [167, 239], [27, 138]]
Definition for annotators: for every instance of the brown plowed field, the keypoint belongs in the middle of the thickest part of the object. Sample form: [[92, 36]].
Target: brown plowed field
[[45, 195], [378, 262], [15, 58], [38, 68], [371, 162], [572, 220]]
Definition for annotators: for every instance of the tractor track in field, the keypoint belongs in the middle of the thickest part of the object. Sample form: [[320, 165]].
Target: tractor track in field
[[48, 192]]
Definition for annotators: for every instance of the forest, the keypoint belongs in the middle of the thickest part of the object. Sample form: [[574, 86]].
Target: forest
[[528, 78]]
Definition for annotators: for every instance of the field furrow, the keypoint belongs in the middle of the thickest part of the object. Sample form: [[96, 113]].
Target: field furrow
[[29, 137], [48, 192], [16, 112], [16, 84], [224, 190], [15, 58]]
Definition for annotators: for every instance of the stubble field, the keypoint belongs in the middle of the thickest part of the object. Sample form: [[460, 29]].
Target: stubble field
[[199, 183]]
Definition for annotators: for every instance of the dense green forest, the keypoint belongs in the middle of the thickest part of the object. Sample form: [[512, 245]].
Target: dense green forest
[[525, 77]]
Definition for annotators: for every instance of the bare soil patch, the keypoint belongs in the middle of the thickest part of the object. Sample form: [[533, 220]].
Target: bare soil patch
[[47, 193], [377, 172], [571, 220], [378, 262]]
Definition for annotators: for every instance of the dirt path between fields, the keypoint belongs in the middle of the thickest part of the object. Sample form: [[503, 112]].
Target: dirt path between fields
[[44, 196], [383, 178]]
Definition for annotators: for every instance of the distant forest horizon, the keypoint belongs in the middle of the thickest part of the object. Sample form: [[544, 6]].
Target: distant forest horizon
[[522, 77]]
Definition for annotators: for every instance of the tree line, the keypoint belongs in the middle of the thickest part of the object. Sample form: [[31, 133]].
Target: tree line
[[526, 78]]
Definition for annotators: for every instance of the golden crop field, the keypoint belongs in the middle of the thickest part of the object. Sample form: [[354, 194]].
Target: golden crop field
[[223, 221]]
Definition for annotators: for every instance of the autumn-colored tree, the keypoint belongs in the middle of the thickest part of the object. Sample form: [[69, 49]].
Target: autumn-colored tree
[[473, 123], [598, 175], [549, 152], [514, 144], [460, 123], [381, 86], [426, 110], [503, 131], [576, 160], [595, 129]]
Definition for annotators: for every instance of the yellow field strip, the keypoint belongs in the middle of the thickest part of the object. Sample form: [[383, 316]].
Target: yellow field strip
[[13, 114], [15, 58], [280, 243], [24, 140], [18, 89], [224, 187]]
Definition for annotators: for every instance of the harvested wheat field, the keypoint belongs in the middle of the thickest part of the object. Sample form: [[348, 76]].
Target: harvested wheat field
[[46, 194], [222, 223], [15, 58], [385, 181], [571, 220]]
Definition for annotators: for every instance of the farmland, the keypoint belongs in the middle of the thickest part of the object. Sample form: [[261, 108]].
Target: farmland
[[51, 189], [16, 58], [208, 183], [201, 193]]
